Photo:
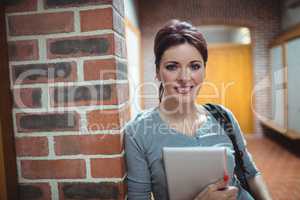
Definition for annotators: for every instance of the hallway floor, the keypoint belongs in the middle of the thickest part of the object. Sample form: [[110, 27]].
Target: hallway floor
[[279, 167]]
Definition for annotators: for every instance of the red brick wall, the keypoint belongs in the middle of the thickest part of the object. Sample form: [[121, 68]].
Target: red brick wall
[[69, 80], [261, 16]]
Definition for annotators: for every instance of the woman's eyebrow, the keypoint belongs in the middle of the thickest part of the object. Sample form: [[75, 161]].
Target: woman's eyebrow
[[193, 61], [171, 62]]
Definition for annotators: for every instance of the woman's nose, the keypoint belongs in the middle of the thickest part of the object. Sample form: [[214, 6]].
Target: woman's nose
[[184, 75]]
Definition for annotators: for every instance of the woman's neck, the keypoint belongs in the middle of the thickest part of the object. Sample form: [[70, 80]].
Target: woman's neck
[[177, 111]]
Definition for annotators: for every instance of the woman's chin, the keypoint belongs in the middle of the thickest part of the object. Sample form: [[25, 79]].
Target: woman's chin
[[184, 99], [178, 98]]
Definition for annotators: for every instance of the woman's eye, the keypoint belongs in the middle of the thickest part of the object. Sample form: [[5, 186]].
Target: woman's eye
[[196, 66], [171, 67]]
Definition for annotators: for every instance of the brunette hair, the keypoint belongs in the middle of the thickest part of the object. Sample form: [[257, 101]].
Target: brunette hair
[[174, 33]]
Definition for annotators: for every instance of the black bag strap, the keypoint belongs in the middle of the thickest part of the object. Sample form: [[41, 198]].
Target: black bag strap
[[222, 117]]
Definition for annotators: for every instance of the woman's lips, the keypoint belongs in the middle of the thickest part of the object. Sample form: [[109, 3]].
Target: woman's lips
[[184, 89]]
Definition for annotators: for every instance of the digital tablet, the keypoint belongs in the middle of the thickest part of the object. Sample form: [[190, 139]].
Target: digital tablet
[[190, 169]]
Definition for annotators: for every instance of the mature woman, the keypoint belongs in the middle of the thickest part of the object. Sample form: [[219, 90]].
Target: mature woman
[[181, 57]]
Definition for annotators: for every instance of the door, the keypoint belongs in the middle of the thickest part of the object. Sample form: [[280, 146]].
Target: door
[[229, 77], [8, 172]]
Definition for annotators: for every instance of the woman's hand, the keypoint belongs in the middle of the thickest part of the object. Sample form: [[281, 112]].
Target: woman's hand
[[218, 191]]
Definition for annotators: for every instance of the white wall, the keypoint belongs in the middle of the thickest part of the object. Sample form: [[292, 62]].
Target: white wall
[[131, 11], [133, 55]]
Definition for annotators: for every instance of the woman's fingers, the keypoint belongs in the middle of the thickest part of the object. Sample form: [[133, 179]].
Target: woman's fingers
[[230, 193], [220, 185], [217, 191], [233, 192], [209, 190]]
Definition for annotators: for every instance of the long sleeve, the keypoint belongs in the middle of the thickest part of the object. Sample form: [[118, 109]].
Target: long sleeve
[[138, 175]]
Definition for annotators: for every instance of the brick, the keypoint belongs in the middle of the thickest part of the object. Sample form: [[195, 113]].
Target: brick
[[108, 167], [32, 146], [23, 50], [123, 92], [102, 190], [74, 3], [118, 23], [44, 73], [27, 97], [105, 70], [104, 19], [80, 46], [124, 116], [22, 6], [103, 120], [34, 191], [88, 144], [53, 169], [107, 18], [119, 6], [47, 122], [85, 95], [108, 119], [120, 47], [122, 72], [45, 23]]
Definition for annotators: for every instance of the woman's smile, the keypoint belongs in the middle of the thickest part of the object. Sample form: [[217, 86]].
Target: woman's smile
[[184, 89]]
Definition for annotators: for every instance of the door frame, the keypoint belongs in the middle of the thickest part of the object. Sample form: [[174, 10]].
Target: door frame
[[8, 167]]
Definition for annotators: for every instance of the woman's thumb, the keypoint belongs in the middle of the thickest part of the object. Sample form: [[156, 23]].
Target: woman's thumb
[[221, 184]]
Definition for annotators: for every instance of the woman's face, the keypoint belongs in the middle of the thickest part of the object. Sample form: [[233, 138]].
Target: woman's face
[[182, 72]]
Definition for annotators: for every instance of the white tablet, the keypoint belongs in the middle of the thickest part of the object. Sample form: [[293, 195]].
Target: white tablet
[[190, 169]]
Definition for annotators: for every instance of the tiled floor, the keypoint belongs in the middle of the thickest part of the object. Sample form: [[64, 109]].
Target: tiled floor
[[279, 167]]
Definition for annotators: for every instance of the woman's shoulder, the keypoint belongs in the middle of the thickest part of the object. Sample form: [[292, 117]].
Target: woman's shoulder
[[142, 116], [140, 120]]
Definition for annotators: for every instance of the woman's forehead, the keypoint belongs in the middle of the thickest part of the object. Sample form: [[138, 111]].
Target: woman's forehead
[[182, 52]]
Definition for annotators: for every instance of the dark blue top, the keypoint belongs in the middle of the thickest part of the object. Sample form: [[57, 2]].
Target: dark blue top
[[148, 133]]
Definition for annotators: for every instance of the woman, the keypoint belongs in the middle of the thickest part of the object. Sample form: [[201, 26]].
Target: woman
[[180, 58]]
